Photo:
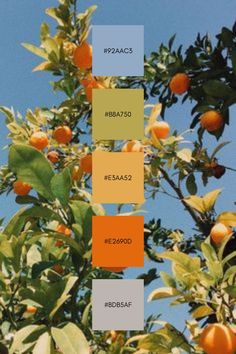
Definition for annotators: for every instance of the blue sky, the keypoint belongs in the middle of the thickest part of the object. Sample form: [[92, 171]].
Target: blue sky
[[20, 88]]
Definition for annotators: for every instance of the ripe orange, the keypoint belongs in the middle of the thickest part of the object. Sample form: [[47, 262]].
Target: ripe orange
[[179, 84], [31, 309], [39, 140], [89, 89], [218, 339], [63, 134], [83, 56], [212, 121], [58, 269], [86, 164], [114, 269], [218, 232], [133, 146], [53, 156], [21, 188], [62, 229], [160, 129]]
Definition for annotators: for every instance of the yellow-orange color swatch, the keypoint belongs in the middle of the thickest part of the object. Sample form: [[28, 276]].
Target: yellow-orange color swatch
[[118, 177], [118, 241]]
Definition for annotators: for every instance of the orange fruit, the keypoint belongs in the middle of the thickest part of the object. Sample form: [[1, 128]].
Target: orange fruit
[[62, 229], [86, 164], [53, 156], [218, 232], [132, 146], [160, 129], [179, 84], [89, 89], [218, 339], [212, 121], [114, 269], [63, 134], [83, 56], [58, 269], [21, 188], [39, 140], [31, 309]]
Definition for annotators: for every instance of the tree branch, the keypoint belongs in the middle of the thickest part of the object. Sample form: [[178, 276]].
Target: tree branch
[[181, 197]]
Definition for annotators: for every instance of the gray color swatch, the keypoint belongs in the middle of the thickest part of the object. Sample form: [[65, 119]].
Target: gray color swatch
[[118, 304]]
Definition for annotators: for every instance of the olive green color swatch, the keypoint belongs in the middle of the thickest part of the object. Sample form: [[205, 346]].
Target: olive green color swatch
[[118, 114]]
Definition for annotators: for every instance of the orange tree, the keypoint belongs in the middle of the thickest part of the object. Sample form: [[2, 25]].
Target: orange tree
[[45, 248]]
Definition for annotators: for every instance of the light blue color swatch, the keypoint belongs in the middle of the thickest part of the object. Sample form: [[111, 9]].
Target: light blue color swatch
[[118, 50]]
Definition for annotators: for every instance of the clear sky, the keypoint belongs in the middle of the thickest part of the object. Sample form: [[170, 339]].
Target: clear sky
[[20, 88]]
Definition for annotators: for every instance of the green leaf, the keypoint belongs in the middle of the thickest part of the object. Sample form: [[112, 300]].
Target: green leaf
[[229, 257], [168, 280], [50, 46], [61, 185], [162, 293], [218, 148], [217, 89], [191, 264], [230, 272], [155, 342], [231, 290], [16, 224], [39, 267], [209, 252], [32, 167], [70, 339], [9, 113], [44, 31], [35, 50], [6, 249], [195, 202], [185, 155], [41, 212], [227, 218], [43, 344], [64, 296], [202, 311], [210, 198], [19, 337], [191, 184], [83, 214], [53, 13]]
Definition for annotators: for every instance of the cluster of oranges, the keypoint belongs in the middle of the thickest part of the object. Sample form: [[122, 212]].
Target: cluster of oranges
[[40, 141], [82, 59], [211, 120]]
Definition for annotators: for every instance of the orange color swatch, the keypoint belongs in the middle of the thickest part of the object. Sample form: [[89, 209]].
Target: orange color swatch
[[118, 241], [118, 177]]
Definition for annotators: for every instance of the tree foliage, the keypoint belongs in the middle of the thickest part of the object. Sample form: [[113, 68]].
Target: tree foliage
[[43, 269]]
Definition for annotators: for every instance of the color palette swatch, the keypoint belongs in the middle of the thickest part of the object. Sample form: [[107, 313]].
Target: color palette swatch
[[118, 304], [118, 50], [118, 178], [118, 241], [118, 114]]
